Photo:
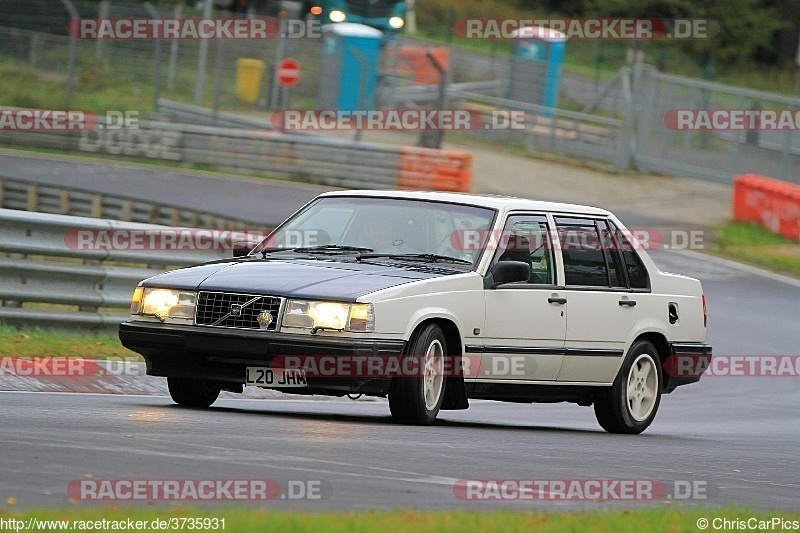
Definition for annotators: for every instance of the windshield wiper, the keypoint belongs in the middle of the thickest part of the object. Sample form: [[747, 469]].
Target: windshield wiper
[[428, 258], [266, 251], [323, 248]]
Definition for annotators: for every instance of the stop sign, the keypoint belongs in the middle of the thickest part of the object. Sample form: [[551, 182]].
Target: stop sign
[[288, 72]]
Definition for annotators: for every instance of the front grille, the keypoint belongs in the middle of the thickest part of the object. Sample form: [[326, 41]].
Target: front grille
[[217, 309], [371, 8]]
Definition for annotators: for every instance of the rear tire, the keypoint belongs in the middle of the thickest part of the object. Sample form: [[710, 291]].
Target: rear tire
[[630, 405], [416, 400], [193, 392]]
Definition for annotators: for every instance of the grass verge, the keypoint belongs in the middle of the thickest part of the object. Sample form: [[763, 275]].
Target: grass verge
[[672, 520], [750, 243], [35, 342]]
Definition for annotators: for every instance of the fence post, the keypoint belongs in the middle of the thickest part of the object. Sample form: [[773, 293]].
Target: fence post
[[201, 61], [626, 149], [33, 50], [280, 51], [103, 12], [73, 51], [362, 103], [173, 52], [648, 105], [636, 102], [411, 17], [433, 138], [217, 80], [151, 11]]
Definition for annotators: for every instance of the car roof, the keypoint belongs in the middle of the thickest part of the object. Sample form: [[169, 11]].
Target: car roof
[[494, 201]]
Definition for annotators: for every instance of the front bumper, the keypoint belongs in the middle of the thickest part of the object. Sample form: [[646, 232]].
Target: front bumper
[[222, 354]]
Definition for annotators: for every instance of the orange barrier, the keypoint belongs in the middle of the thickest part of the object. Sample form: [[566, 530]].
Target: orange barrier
[[430, 169], [414, 61], [771, 203]]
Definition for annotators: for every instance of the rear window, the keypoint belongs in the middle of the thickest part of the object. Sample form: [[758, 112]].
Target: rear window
[[582, 251]]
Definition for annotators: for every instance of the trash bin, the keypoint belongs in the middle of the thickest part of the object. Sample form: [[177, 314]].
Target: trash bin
[[248, 79], [537, 55], [349, 70]]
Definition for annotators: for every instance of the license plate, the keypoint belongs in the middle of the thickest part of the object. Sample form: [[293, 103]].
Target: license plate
[[275, 378]]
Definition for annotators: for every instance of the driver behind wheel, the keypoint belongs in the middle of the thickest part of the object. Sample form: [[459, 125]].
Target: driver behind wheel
[[388, 236]]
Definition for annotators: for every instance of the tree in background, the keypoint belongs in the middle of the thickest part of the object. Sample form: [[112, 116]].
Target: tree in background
[[745, 29]]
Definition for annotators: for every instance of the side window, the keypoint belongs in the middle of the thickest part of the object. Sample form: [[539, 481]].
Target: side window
[[581, 249], [637, 273], [616, 270], [526, 238]]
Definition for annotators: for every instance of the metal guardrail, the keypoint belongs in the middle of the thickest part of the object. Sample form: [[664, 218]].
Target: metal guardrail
[[420, 94], [203, 116], [316, 159], [336, 162], [44, 270]]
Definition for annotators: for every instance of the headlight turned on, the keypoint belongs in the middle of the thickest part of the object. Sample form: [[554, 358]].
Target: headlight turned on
[[164, 304], [396, 22], [337, 16], [317, 315]]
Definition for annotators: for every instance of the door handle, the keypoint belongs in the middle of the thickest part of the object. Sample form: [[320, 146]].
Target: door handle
[[557, 300], [629, 303]]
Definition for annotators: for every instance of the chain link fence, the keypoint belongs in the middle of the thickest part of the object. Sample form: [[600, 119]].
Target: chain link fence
[[620, 122], [716, 155]]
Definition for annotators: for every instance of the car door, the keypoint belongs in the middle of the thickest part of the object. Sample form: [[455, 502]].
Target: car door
[[603, 309], [526, 322]]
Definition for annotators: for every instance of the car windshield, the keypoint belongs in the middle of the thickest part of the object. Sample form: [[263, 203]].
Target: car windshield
[[384, 228]]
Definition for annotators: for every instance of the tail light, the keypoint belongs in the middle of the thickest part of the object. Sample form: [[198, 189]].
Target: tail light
[[705, 313]]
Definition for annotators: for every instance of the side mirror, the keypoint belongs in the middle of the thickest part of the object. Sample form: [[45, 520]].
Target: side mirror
[[509, 272], [242, 248]]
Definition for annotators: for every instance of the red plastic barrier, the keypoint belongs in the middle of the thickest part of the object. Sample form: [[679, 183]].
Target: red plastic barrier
[[438, 170], [414, 60], [771, 203]]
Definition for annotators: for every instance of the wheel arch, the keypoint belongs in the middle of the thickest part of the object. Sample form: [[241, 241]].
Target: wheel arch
[[455, 393], [659, 340]]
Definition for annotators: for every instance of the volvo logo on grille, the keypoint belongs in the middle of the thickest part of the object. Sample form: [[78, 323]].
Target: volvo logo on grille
[[236, 310], [264, 319]]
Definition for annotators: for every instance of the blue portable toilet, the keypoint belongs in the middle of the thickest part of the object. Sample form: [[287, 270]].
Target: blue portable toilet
[[349, 70], [537, 55]]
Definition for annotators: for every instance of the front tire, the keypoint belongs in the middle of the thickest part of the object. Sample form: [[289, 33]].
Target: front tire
[[416, 400], [193, 392], [630, 405]]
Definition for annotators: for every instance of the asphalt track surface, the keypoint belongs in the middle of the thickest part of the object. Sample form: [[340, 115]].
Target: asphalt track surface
[[259, 201], [255, 200], [735, 437]]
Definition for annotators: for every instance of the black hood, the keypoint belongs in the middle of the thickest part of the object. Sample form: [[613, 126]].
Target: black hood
[[297, 278]]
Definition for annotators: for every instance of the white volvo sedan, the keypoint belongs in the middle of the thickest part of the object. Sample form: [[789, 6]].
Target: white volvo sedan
[[430, 299]]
